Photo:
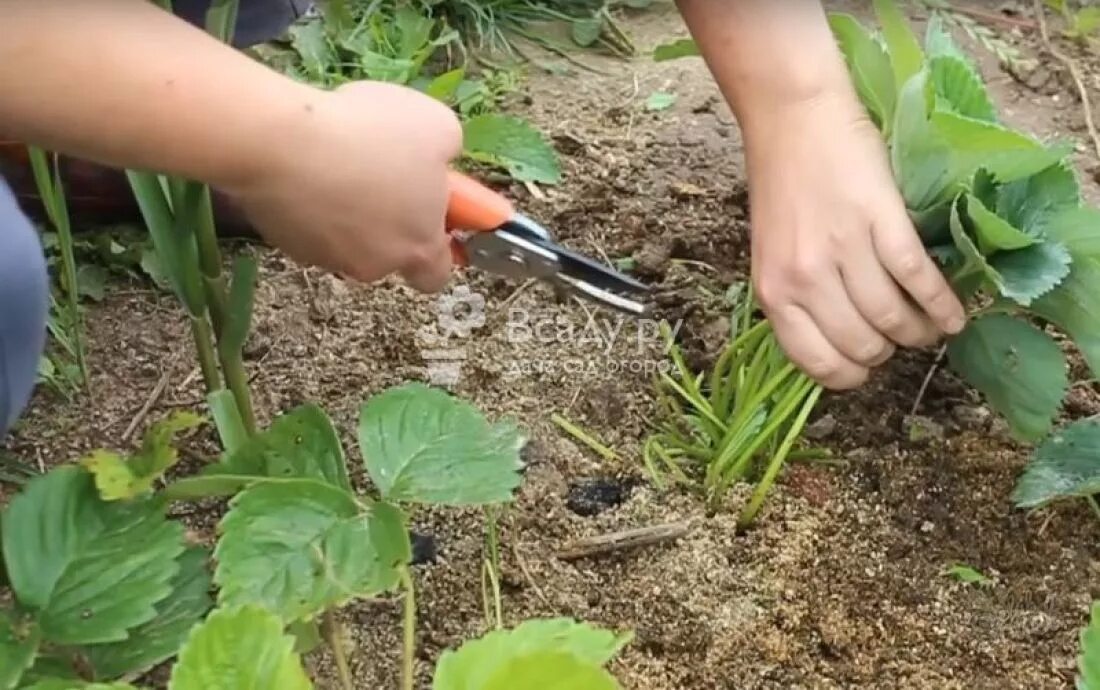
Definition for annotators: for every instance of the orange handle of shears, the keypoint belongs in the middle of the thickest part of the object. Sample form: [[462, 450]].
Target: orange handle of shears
[[473, 207]]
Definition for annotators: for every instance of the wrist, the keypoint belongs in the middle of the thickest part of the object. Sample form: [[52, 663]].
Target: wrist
[[770, 58]]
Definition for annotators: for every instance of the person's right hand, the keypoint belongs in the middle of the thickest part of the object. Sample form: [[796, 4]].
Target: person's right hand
[[838, 266], [361, 187]]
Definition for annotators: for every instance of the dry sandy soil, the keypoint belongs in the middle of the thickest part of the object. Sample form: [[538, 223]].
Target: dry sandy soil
[[841, 584]]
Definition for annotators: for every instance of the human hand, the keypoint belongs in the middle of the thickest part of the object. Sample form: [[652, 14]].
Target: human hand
[[361, 187], [838, 267]]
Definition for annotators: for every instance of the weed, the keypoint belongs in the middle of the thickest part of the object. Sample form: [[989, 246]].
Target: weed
[[716, 426], [968, 575], [494, 26], [1082, 23], [66, 312]]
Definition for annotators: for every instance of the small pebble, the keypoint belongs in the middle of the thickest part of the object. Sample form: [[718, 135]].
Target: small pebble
[[821, 429]]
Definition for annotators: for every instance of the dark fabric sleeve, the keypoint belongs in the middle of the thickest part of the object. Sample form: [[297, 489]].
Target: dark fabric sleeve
[[257, 20]]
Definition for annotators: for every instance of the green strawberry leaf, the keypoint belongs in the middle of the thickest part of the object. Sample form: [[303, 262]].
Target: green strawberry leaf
[[906, 54], [162, 637], [960, 90], [302, 444], [302, 547], [936, 153], [19, 641], [870, 67], [939, 43], [1074, 307], [1066, 465], [310, 41], [239, 648], [545, 671], [90, 570], [1019, 369], [422, 445], [480, 664], [674, 50], [1088, 660], [512, 144], [972, 260], [1027, 274], [1078, 229], [445, 86], [1033, 202], [993, 232], [119, 478]]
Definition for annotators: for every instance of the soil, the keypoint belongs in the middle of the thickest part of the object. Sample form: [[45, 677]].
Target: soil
[[840, 585]]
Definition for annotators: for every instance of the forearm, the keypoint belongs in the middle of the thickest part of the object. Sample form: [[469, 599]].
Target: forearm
[[126, 84], [767, 54]]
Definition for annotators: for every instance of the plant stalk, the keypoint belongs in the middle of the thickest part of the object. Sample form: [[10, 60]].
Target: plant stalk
[[408, 668], [334, 635], [236, 379], [204, 350], [494, 616]]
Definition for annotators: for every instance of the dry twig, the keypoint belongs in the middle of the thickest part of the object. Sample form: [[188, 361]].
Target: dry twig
[[154, 396], [623, 541], [1074, 71], [927, 380]]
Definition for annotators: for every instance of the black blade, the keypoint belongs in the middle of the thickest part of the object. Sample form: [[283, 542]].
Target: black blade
[[575, 264]]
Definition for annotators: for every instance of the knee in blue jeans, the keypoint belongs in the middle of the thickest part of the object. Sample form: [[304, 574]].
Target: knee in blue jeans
[[24, 305]]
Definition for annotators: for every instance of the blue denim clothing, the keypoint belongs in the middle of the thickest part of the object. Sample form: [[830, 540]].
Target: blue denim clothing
[[24, 304], [257, 20]]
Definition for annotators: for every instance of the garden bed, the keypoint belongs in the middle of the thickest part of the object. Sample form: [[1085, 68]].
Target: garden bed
[[842, 582]]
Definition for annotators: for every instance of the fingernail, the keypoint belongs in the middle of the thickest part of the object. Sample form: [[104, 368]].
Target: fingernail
[[956, 324]]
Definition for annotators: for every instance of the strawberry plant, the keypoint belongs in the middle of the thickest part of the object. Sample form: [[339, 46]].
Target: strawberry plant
[[105, 586], [1003, 214]]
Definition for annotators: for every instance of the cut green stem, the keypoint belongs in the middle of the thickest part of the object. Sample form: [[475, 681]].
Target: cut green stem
[[584, 437], [408, 667]]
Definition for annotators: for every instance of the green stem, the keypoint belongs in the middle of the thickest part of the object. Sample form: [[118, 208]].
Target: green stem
[[761, 492], [204, 349], [495, 618], [408, 672], [334, 635], [210, 262], [236, 378], [216, 290]]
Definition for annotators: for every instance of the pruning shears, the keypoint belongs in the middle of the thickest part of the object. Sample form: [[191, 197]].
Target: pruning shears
[[488, 233]]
